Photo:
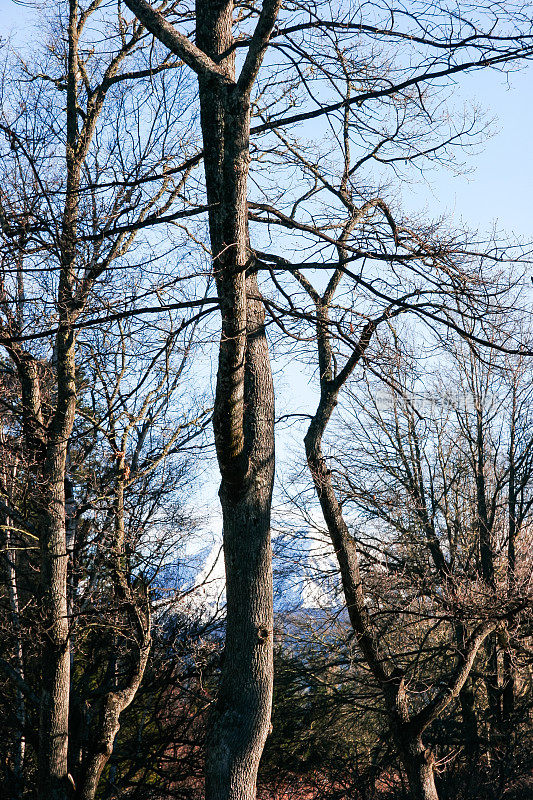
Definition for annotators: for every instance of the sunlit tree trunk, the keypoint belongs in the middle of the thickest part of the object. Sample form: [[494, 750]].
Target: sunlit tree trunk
[[243, 415], [244, 434]]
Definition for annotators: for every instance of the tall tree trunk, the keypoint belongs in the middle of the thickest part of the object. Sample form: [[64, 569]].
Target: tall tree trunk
[[240, 723], [509, 678], [55, 686], [486, 559], [243, 415], [244, 429], [55, 701]]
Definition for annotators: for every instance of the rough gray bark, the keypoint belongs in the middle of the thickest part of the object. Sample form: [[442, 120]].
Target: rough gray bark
[[240, 722], [244, 431], [243, 416], [55, 678]]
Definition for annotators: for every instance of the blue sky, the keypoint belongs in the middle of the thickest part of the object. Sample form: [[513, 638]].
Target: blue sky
[[500, 181], [498, 186], [501, 185]]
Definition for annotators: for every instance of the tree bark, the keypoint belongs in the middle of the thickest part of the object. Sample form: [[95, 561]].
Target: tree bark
[[240, 723], [55, 684], [55, 679], [243, 414], [244, 428], [418, 763]]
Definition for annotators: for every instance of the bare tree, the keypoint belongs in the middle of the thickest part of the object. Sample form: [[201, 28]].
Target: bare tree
[[66, 221], [315, 57], [291, 55], [244, 401], [429, 504]]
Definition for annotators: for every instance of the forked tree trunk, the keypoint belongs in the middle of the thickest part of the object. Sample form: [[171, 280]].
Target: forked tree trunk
[[244, 428], [418, 762], [243, 415]]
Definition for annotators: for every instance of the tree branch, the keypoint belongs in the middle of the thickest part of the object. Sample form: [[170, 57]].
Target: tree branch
[[258, 46], [176, 42], [426, 716]]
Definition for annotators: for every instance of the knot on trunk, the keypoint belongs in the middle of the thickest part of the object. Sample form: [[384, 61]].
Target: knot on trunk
[[263, 634]]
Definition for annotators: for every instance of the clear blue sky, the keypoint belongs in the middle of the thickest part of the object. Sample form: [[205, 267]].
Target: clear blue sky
[[501, 185]]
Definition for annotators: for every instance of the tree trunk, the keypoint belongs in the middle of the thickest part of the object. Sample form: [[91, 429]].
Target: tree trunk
[[114, 704], [509, 678], [243, 414], [244, 429], [418, 763], [467, 701], [486, 560], [55, 664], [20, 709], [55, 685], [241, 719], [46, 450], [469, 720], [417, 760]]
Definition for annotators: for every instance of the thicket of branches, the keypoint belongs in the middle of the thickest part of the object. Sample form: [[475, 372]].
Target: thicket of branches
[[184, 191]]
